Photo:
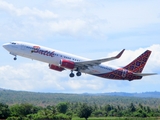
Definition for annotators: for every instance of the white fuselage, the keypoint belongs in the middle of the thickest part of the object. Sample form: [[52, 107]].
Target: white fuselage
[[52, 56], [59, 61]]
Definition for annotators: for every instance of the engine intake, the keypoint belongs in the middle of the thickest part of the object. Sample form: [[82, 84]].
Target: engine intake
[[54, 67]]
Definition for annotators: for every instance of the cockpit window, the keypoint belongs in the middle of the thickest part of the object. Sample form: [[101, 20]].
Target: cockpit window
[[13, 43]]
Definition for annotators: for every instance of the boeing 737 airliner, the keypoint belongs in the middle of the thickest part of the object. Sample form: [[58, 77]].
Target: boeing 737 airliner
[[60, 61]]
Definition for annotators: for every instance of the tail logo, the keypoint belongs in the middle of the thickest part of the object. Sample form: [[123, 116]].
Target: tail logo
[[124, 73], [138, 64]]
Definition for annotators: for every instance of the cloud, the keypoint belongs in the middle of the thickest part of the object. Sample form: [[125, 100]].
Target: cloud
[[29, 76], [77, 18], [26, 11], [129, 56], [72, 26], [36, 76], [69, 4]]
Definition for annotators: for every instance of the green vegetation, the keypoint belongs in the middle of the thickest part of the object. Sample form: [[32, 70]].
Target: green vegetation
[[84, 111], [10, 97], [67, 111], [4, 111], [47, 106]]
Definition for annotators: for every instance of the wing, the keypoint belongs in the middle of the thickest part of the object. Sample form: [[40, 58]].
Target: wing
[[85, 64]]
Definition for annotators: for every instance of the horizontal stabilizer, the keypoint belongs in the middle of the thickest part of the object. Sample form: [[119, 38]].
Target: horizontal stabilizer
[[144, 74]]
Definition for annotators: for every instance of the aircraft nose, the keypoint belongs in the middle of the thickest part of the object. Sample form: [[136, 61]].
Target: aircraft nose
[[6, 45]]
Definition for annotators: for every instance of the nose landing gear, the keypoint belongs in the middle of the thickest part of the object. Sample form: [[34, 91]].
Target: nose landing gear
[[15, 58]]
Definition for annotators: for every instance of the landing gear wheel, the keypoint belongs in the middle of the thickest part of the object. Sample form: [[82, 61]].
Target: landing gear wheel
[[14, 58], [78, 73], [71, 75]]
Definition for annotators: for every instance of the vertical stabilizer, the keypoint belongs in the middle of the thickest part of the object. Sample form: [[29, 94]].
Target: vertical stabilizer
[[138, 64]]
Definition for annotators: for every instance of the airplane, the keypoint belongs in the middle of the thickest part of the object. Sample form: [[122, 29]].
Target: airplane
[[60, 61]]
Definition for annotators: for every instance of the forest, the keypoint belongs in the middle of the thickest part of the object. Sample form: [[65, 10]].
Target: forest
[[20, 105], [68, 111]]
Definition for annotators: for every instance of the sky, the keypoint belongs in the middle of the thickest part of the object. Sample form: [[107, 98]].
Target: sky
[[88, 28]]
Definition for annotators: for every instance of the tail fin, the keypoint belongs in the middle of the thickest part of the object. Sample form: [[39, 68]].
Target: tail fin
[[138, 64]]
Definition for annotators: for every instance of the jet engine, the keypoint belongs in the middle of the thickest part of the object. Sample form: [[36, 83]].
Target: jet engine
[[67, 64], [54, 67]]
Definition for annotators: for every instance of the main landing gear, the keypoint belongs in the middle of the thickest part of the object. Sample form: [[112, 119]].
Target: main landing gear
[[72, 74], [78, 73]]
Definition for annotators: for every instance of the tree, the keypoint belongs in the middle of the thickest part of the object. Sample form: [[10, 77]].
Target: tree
[[108, 108], [23, 109], [52, 108], [62, 107], [132, 107], [84, 111], [4, 111], [98, 113]]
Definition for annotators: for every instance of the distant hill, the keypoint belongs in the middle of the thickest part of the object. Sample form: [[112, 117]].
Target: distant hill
[[43, 99], [1, 89], [124, 94], [144, 94]]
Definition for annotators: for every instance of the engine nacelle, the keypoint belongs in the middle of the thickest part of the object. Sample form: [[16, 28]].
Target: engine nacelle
[[67, 64], [54, 67]]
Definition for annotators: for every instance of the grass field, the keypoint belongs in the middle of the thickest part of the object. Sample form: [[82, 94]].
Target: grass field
[[115, 118]]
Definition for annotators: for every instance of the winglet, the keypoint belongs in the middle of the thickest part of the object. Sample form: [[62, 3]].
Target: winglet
[[119, 55]]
